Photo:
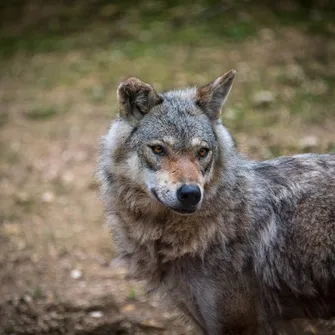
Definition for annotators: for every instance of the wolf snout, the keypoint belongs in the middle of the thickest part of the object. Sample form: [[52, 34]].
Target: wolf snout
[[189, 195]]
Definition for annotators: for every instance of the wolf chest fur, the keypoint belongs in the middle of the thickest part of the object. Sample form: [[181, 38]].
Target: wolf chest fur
[[234, 244]]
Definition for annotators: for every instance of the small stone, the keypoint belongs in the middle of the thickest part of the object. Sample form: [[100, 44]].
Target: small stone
[[76, 274], [96, 314], [68, 177], [128, 308], [154, 304], [48, 197], [27, 298], [150, 323], [267, 34], [263, 98], [167, 315], [309, 142]]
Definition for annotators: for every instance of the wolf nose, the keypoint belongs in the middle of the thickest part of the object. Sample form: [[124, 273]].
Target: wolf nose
[[189, 195]]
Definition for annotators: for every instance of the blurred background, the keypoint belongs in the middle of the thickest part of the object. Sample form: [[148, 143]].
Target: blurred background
[[60, 64]]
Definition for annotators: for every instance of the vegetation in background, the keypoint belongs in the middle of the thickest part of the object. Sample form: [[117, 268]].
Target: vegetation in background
[[39, 26]]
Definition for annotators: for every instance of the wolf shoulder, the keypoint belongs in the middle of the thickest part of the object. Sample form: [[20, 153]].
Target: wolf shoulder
[[302, 171], [300, 190]]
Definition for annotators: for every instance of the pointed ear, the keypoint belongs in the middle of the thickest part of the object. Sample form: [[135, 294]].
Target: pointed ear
[[136, 98], [213, 96]]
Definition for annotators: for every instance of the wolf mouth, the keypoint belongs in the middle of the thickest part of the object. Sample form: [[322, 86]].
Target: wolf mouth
[[184, 211]]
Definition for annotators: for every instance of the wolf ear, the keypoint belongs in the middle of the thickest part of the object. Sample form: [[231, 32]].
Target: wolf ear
[[136, 98], [213, 96]]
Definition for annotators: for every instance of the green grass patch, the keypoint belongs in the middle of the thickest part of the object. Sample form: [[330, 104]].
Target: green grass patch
[[45, 112], [152, 23], [331, 148], [132, 296]]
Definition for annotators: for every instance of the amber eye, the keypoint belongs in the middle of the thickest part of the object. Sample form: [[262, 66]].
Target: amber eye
[[203, 152], [158, 149]]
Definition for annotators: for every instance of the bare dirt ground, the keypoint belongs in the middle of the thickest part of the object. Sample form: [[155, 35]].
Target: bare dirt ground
[[56, 256]]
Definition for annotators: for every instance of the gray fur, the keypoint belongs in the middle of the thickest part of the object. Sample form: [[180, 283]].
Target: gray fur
[[261, 245]]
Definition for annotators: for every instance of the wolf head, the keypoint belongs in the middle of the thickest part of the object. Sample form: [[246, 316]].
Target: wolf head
[[167, 146]]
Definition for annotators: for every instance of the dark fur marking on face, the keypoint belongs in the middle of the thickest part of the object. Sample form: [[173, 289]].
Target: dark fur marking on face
[[153, 191], [109, 177], [133, 131], [208, 166], [150, 164]]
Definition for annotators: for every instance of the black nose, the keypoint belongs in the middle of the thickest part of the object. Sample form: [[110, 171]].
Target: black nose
[[189, 195]]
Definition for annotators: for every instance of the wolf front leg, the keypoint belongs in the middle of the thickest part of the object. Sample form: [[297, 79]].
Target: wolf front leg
[[228, 306], [239, 324], [244, 326]]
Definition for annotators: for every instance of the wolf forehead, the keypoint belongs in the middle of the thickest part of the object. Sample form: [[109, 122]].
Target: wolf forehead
[[177, 118]]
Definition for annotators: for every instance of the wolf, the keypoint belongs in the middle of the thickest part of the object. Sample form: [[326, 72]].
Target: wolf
[[235, 244]]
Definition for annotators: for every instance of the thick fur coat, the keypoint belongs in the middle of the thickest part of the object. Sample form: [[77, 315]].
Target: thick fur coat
[[254, 242]]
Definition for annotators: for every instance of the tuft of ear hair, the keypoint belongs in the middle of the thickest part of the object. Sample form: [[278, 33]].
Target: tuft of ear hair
[[136, 98], [212, 97]]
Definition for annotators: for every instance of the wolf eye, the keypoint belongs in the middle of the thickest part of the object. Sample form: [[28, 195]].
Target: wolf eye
[[203, 152], [158, 150]]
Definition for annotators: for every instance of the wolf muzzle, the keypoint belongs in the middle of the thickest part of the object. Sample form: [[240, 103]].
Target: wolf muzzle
[[189, 195]]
